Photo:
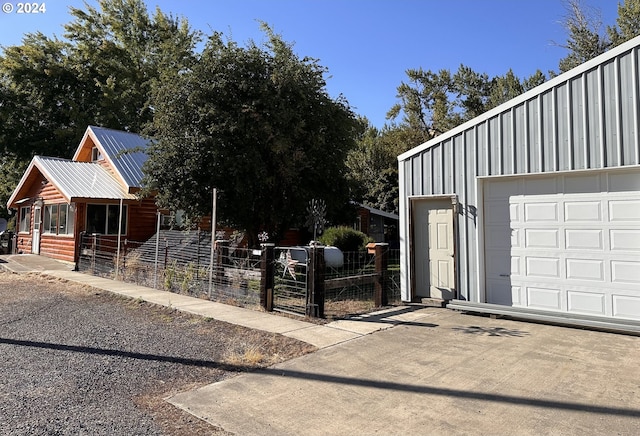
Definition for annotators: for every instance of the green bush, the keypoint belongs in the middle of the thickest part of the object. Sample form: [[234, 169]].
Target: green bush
[[345, 238]]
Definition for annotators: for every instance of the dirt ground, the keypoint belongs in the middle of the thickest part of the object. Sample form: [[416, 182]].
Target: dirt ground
[[80, 361]]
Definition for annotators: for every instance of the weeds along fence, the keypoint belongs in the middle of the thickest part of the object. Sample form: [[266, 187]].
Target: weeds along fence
[[351, 287], [179, 262], [287, 279]]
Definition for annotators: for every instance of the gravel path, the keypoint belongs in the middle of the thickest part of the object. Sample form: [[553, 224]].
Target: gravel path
[[78, 361]]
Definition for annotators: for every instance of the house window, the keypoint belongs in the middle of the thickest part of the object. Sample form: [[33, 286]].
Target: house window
[[95, 154], [25, 219], [59, 219], [103, 218]]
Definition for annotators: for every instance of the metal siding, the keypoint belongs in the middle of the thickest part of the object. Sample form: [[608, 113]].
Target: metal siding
[[506, 139], [577, 121], [426, 178], [628, 108], [533, 135], [417, 172], [588, 118], [610, 109], [593, 126], [636, 105], [436, 170], [494, 143], [448, 150]]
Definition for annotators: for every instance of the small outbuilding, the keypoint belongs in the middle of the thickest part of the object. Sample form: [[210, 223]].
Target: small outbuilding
[[95, 192], [533, 206]]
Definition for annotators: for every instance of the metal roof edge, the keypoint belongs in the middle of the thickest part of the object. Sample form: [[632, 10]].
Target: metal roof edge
[[36, 162], [574, 72], [23, 179], [82, 141]]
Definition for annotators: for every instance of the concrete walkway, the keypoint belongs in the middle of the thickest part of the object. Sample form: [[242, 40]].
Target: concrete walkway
[[321, 336]]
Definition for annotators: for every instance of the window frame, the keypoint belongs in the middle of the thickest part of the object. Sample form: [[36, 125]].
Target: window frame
[[52, 224], [108, 224], [25, 220]]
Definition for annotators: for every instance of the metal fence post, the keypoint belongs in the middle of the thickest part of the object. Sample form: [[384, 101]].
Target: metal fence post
[[222, 259], [315, 282], [93, 254], [382, 264], [267, 276]]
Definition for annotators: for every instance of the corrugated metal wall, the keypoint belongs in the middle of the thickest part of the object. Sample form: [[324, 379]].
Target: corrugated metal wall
[[587, 118]]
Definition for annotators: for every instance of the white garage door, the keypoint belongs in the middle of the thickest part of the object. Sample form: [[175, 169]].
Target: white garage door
[[567, 243]]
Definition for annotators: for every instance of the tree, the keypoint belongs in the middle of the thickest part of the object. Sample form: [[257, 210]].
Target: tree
[[584, 37], [627, 24], [119, 52], [255, 122], [101, 73], [372, 164]]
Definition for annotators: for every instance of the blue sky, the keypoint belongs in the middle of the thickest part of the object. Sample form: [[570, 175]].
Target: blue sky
[[367, 45]]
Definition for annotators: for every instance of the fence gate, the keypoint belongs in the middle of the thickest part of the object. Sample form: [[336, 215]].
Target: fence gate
[[290, 280]]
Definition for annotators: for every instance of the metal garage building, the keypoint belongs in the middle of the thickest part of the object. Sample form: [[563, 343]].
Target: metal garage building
[[533, 206]]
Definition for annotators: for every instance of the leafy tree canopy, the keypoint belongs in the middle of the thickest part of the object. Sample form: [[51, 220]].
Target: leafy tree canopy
[[256, 123], [101, 73]]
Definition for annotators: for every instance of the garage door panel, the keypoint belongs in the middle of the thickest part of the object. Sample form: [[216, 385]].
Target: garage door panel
[[542, 238], [625, 272], [585, 269], [572, 243], [624, 211], [586, 302], [624, 240], [584, 239], [626, 306], [577, 211], [544, 298], [542, 267], [541, 212]]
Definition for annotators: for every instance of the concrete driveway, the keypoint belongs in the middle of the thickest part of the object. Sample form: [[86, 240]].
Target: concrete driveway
[[441, 372]]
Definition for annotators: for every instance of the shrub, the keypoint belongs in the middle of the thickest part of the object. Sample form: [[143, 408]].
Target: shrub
[[345, 238]]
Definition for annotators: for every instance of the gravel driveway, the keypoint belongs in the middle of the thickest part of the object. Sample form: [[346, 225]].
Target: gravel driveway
[[78, 361]]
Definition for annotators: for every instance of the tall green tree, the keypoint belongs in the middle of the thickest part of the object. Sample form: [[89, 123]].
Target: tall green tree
[[627, 24], [585, 39], [118, 52], [101, 73], [256, 123]]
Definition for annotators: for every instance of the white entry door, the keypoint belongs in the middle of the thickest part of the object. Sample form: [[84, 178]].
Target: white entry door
[[568, 243], [434, 254], [37, 222]]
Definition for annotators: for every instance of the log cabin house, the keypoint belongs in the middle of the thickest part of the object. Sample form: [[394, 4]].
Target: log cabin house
[[58, 199]]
